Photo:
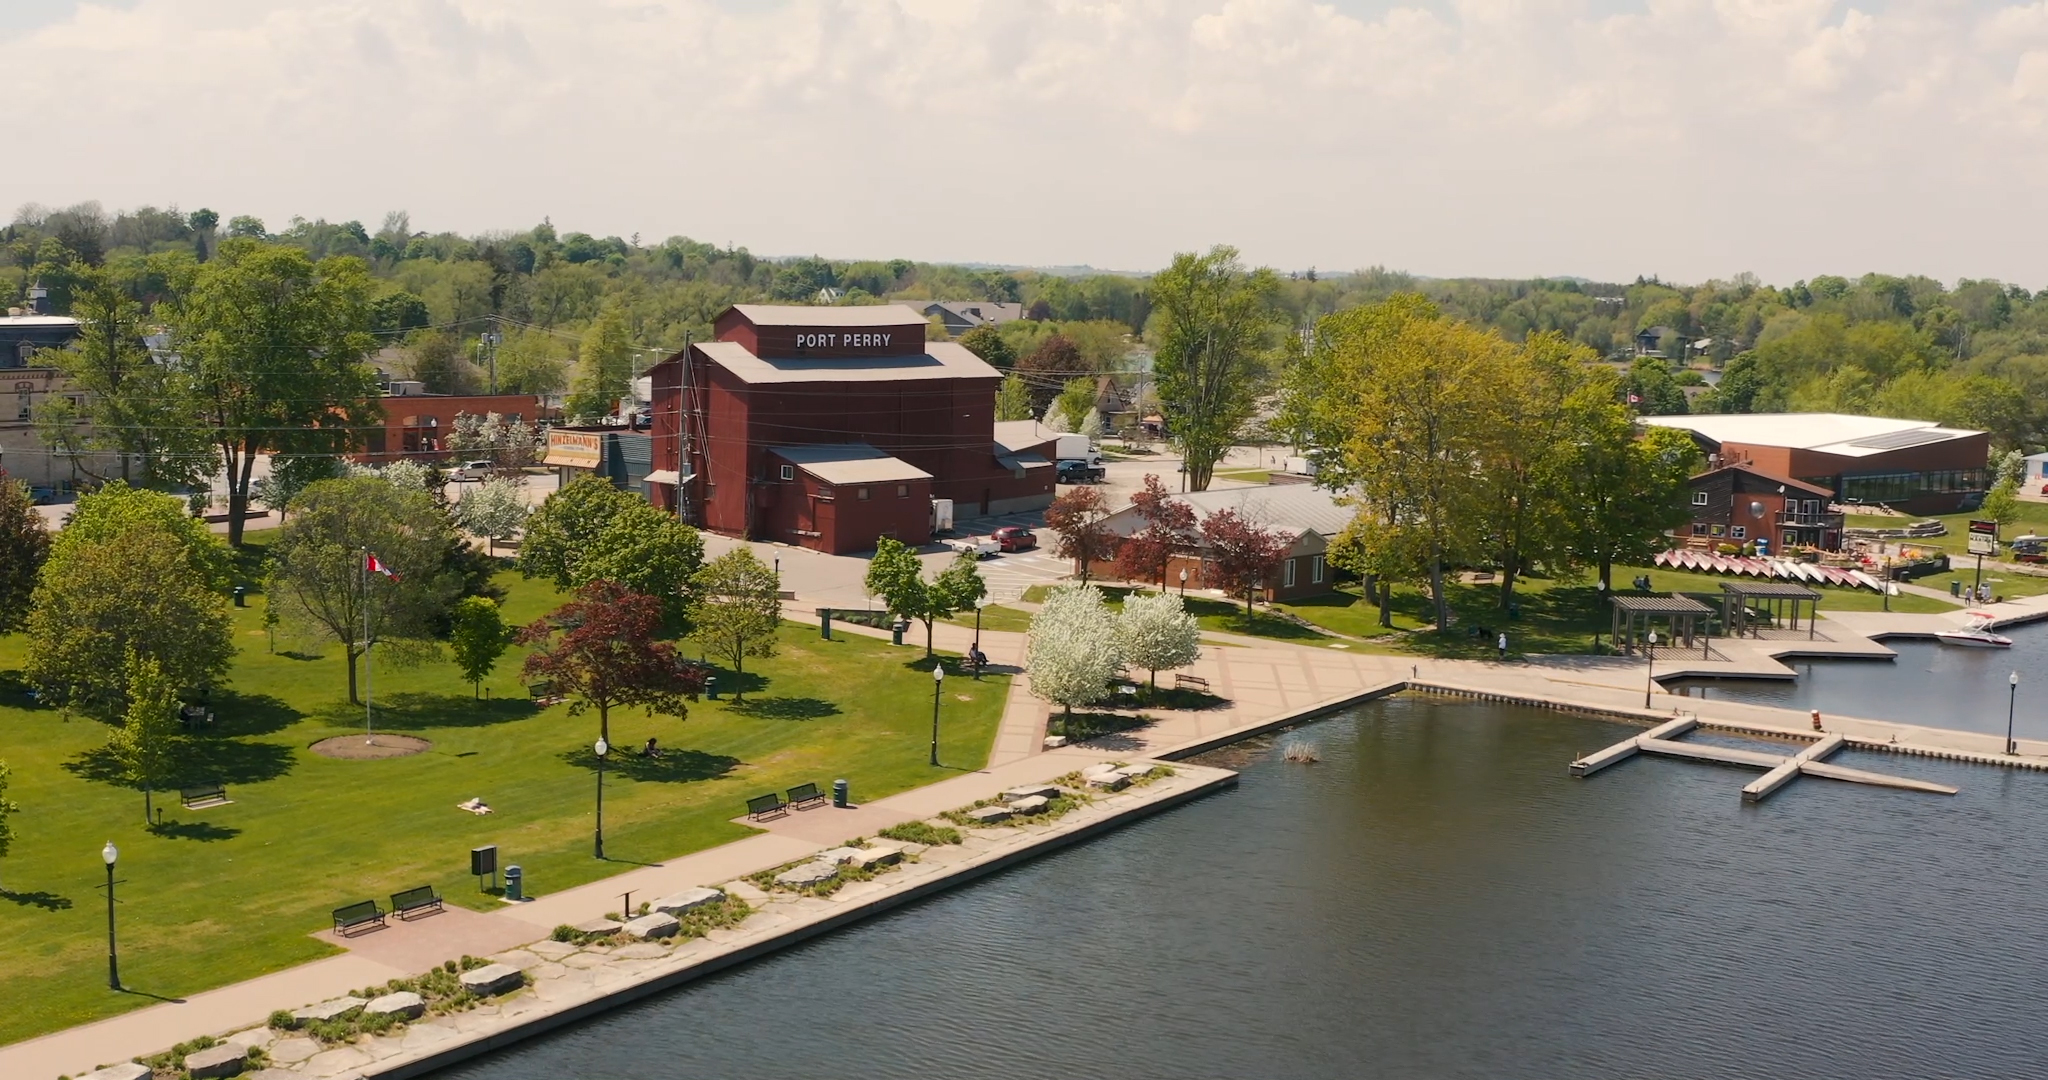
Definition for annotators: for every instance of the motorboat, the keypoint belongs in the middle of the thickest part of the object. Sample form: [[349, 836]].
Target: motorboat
[[1975, 634]]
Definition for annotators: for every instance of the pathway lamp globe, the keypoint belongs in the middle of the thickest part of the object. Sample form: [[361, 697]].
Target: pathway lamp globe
[[1650, 674], [1183, 581], [602, 749], [979, 604], [938, 681], [109, 854], [2012, 699]]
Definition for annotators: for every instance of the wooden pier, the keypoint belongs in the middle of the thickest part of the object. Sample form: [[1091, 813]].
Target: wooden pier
[[1780, 769]]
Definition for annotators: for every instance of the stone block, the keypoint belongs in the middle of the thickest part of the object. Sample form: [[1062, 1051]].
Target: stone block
[[293, 1050], [1045, 791], [989, 815], [599, 926], [1054, 742], [660, 924], [328, 1010], [688, 900], [226, 1059], [1109, 781], [816, 872], [878, 854], [1100, 768], [1030, 804], [493, 979], [837, 855], [404, 1003], [1135, 772], [126, 1070]]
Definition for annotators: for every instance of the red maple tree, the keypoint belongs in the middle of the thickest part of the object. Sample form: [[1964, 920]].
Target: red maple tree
[[1169, 527], [1077, 517], [1240, 555], [600, 649]]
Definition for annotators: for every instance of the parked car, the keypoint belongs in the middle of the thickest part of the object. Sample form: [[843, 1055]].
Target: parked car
[[478, 471], [1074, 471], [1015, 538], [981, 547]]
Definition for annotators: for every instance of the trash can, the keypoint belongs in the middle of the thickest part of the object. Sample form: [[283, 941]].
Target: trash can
[[240, 592], [839, 794], [515, 884], [896, 630], [711, 687], [1955, 589], [825, 623]]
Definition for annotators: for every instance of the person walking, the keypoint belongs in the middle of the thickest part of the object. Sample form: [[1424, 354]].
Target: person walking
[[1502, 643]]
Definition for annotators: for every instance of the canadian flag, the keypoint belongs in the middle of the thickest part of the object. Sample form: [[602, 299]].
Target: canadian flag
[[1633, 399], [376, 567]]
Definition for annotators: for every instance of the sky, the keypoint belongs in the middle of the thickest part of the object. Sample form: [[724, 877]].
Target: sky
[[1689, 139]]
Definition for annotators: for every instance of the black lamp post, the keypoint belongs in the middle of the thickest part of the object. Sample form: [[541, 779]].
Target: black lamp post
[[2012, 699], [110, 853], [938, 680], [979, 604], [1183, 582], [602, 749], [1600, 608], [1650, 676]]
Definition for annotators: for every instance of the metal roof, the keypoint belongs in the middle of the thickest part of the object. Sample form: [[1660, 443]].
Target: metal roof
[[1828, 433], [849, 463], [1301, 507], [799, 315], [1661, 605], [1015, 436], [1770, 590], [940, 360]]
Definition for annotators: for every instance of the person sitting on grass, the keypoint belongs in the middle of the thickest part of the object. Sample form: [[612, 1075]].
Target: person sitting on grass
[[650, 750]]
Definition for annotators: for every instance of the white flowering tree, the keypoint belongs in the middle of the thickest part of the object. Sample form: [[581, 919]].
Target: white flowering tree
[[493, 511], [1156, 633], [1071, 651], [1091, 425]]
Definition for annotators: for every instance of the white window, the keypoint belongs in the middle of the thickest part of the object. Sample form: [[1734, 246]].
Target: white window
[[903, 491], [1287, 578], [860, 493], [789, 472], [1699, 498], [1740, 532], [1315, 571]]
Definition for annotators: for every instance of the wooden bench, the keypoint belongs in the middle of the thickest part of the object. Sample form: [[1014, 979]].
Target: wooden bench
[[363, 913], [763, 807], [541, 689], [1190, 682], [805, 796], [411, 901], [200, 798]]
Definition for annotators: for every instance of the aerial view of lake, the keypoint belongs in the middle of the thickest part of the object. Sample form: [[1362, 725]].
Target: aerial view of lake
[[1436, 898]]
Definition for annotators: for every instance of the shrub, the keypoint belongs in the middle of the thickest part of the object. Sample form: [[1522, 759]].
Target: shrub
[[921, 832]]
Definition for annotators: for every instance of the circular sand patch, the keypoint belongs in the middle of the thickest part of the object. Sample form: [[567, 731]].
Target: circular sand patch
[[372, 747]]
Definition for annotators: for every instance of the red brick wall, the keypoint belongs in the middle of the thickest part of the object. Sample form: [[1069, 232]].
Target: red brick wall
[[411, 415]]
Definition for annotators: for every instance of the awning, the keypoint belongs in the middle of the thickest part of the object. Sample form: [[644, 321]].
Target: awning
[[665, 476]]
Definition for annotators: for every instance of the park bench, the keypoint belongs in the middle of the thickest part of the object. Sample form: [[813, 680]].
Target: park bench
[[199, 798], [363, 913], [1190, 682], [411, 901], [805, 796], [541, 689], [762, 807]]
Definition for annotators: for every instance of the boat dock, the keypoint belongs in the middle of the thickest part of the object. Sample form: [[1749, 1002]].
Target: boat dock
[[1779, 769]]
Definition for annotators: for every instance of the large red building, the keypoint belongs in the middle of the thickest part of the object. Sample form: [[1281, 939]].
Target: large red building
[[830, 427]]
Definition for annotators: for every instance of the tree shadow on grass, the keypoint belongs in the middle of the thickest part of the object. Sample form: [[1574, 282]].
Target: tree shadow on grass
[[294, 654], [15, 691], [730, 684], [1085, 726], [1177, 698], [201, 760], [786, 708], [203, 831], [247, 714], [48, 901], [412, 709], [672, 767]]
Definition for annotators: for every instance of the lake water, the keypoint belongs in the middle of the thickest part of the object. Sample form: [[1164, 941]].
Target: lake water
[[1436, 898], [1932, 684]]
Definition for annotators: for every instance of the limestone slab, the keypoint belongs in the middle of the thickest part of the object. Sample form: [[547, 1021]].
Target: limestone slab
[[493, 979], [126, 1070], [335, 1062], [293, 1050], [328, 1010], [253, 1037], [881, 853], [745, 890], [552, 950], [837, 855], [421, 1036], [688, 900], [1099, 768], [816, 872], [599, 926], [1108, 781], [645, 950], [227, 1059], [1054, 742], [1043, 791], [1135, 772], [271, 1074], [658, 925], [1030, 804], [404, 1003], [989, 815]]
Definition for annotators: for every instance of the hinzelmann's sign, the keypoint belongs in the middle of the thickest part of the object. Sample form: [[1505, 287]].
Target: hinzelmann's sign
[[1983, 537]]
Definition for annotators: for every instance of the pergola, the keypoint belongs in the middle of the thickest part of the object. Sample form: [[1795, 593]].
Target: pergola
[[1632, 616], [1773, 596]]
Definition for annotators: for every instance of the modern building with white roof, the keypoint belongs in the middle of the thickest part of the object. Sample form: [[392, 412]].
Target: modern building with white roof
[[1917, 466]]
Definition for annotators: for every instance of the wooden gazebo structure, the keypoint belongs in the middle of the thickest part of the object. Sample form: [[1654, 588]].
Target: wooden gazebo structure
[[1681, 615], [1780, 598]]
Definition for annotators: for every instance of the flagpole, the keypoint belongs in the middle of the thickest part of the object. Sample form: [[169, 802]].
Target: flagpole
[[369, 718]]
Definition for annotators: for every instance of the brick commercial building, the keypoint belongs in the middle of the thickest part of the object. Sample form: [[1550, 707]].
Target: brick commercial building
[[1738, 505], [1911, 465], [1307, 516], [830, 427], [418, 425]]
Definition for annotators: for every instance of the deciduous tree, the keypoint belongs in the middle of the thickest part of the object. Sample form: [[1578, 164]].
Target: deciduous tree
[[477, 637], [1212, 325], [1013, 399], [291, 474], [1155, 632], [1169, 526], [1077, 518], [493, 510], [1072, 649], [604, 371], [1239, 556], [590, 531], [737, 608], [147, 743], [116, 510], [987, 342], [24, 544], [601, 650], [896, 575]]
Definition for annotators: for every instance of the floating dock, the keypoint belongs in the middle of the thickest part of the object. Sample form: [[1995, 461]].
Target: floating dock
[[1779, 769]]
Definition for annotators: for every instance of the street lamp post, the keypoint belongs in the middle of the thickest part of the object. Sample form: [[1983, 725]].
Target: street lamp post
[[1183, 582], [1600, 607], [109, 854], [938, 680], [2012, 699], [979, 604], [1650, 676], [602, 749]]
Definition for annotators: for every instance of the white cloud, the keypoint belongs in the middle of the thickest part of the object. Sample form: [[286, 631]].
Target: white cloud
[[1683, 137]]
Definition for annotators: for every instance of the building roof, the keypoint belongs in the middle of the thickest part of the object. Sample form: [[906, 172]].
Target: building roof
[[940, 360], [1768, 478], [10, 321], [1827, 433], [858, 315], [849, 463], [1769, 590], [1661, 605], [1019, 435], [1297, 507], [975, 312]]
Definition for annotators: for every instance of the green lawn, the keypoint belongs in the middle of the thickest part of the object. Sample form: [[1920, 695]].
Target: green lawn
[[2033, 518], [2003, 583], [994, 617], [1210, 612], [228, 893], [1248, 476]]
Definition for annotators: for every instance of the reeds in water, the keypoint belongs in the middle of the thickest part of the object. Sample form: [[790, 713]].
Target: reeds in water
[[1301, 751]]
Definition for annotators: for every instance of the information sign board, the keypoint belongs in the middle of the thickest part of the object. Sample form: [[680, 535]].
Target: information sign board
[[1983, 538]]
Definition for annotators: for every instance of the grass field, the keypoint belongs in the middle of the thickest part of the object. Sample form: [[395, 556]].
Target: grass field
[[994, 617], [231, 892], [1211, 612], [2033, 518]]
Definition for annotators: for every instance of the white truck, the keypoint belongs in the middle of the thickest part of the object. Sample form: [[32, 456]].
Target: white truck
[[1076, 448], [942, 516], [981, 547]]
